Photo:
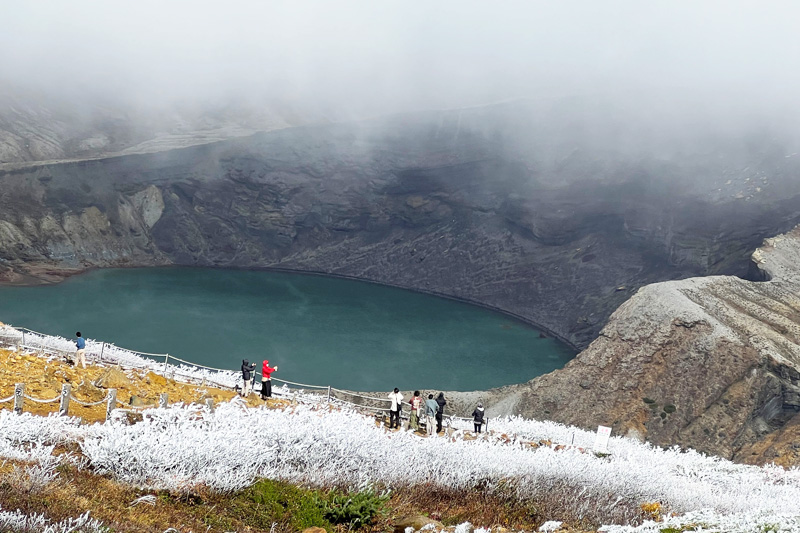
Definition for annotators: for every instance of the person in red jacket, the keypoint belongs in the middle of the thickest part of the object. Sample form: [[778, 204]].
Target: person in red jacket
[[266, 382]]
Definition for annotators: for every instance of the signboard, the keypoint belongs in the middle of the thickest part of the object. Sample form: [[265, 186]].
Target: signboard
[[601, 439]]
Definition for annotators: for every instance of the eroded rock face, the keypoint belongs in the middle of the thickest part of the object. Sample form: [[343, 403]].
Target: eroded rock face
[[483, 205], [709, 363]]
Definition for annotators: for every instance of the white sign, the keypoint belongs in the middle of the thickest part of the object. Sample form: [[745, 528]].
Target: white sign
[[601, 439]]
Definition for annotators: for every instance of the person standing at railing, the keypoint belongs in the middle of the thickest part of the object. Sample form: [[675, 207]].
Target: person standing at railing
[[394, 409], [477, 417], [246, 369], [416, 405], [431, 407], [441, 402], [80, 353], [266, 382]]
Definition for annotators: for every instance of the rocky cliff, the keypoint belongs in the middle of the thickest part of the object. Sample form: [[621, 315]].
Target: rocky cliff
[[709, 363], [555, 221]]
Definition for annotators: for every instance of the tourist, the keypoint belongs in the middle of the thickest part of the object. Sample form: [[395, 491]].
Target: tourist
[[416, 404], [394, 410], [266, 382], [431, 407], [441, 402], [246, 369], [80, 354], [477, 417]]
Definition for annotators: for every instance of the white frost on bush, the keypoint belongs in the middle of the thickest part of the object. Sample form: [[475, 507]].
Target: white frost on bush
[[177, 449], [36, 523]]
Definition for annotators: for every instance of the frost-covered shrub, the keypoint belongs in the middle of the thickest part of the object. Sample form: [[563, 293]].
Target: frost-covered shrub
[[18, 522], [34, 477]]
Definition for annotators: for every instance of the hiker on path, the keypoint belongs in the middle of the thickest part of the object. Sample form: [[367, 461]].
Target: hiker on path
[[441, 402], [431, 407], [80, 353], [246, 369], [477, 417], [266, 382], [394, 409], [416, 405]]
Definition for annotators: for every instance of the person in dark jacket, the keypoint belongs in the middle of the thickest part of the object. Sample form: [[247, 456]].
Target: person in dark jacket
[[477, 417], [246, 369], [441, 402]]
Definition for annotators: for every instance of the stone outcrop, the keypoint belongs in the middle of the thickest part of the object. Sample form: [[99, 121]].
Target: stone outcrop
[[492, 205], [709, 363]]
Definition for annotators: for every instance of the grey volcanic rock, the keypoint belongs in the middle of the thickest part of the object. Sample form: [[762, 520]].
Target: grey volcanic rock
[[709, 363], [488, 205]]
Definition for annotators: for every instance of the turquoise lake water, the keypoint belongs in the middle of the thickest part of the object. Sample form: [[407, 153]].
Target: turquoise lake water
[[319, 330]]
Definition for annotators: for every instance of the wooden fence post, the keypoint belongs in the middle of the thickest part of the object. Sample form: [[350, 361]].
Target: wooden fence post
[[19, 397], [210, 404], [166, 359], [163, 400], [329, 393], [63, 408], [112, 403], [102, 349], [23, 337]]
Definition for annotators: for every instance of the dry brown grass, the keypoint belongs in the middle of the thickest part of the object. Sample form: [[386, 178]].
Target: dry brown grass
[[77, 491], [43, 380]]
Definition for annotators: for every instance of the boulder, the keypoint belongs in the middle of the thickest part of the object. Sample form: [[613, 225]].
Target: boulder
[[154, 379], [416, 521], [314, 530], [113, 378]]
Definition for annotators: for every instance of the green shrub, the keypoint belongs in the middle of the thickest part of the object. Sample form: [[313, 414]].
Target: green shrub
[[669, 409], [355, 510], [268, 502], [648, 400]]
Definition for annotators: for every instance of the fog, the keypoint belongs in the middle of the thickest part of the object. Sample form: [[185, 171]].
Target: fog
[[376, 57]]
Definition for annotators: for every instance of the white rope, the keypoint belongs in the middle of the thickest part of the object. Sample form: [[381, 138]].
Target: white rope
[[300, 384], [171, 357], [42, 401], [4, 400], [362, 396], [88, 404], [134, 407]]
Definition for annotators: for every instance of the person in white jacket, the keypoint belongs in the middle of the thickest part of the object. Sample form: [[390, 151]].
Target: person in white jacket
[[394, 410]]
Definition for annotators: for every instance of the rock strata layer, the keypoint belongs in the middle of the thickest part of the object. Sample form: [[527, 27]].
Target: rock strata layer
[[708, 363]]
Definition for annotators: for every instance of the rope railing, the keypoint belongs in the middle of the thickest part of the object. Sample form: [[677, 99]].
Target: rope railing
[[88, 404], [302, 385], [4, 400], [31, 398]]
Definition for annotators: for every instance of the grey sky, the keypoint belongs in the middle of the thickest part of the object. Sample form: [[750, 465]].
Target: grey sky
[[374, 56]]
